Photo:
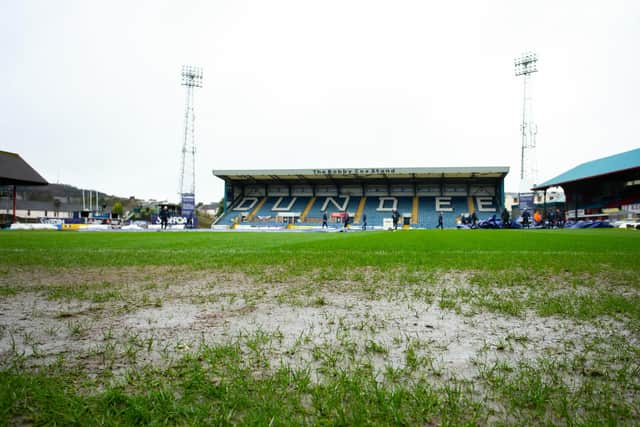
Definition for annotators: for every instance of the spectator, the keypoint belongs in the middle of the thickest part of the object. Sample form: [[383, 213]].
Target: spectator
[[364, 221], [324, 220], [537, 217], [560, 218], [440, 221], [551, 219], [525, 218], [505, 218], [164, 217], [556, 218]]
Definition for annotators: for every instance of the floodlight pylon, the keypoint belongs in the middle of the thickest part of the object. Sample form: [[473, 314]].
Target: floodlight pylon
[[525, 65], [191, 78]]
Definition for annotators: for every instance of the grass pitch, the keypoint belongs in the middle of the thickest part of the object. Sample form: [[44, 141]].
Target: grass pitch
[[410, 327]]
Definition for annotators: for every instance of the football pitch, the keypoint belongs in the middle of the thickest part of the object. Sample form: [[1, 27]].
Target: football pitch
[[425, 327]]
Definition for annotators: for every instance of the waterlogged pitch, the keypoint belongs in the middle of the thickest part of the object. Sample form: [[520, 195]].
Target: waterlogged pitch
[[522, 327]]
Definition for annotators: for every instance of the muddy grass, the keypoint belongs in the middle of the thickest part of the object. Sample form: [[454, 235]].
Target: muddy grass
[[115, 319], [406, 345]]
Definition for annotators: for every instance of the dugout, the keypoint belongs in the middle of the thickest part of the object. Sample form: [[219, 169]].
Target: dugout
[[304, 195], [605, 188]]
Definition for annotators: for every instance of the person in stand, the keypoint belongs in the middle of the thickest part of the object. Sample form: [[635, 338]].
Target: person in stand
[[474, 219], [346, 220], [324, 220], [505, 218], [364, 221], [440, 221], [164, 217]]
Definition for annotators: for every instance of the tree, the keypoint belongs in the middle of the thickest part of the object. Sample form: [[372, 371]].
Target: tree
[[117, 209], [220, 208]]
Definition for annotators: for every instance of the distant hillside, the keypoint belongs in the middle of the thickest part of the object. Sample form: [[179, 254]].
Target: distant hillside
[[68, 197]]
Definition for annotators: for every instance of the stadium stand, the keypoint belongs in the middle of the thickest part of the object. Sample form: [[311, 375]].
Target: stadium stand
[[300, 196], [605, 188]]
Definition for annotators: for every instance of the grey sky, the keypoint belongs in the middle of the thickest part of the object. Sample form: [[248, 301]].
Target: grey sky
[[91, 91]]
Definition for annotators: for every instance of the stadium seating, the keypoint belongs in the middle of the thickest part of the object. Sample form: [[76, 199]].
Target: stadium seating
[[375, 217], [275, 205], [628, 200], [257, 212], [427, 215], [315, 213]]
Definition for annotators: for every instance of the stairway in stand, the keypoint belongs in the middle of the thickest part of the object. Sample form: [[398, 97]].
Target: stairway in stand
[[356, 219], [257, 209], [306, 210]]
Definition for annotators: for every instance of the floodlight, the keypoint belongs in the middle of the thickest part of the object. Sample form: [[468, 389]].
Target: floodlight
[[525, 65], [191, 78]]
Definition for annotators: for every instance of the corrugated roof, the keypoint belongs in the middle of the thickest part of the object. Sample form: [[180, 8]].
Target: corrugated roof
[[604, 166], [359, 173], [15, 171]]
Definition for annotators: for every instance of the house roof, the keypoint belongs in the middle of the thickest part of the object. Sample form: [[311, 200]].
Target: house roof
[[46, 206], [15, 171], [607, 165], [213, 205]]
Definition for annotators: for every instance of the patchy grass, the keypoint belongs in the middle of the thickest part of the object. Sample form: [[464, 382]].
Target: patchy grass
[[226, 385], [7, 291], [407, 328]]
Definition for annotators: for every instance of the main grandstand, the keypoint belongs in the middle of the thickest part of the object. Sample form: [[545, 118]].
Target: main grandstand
[[301, 196]]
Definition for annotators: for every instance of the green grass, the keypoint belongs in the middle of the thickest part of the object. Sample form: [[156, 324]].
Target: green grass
[[586, 277], [555, 251]]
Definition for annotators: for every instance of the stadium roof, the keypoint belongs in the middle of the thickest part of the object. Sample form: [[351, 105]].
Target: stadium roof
[[607, 165], [15, 171], [360, 173]]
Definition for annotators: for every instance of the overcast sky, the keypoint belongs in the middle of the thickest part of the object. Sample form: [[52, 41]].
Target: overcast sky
[[91, 92]]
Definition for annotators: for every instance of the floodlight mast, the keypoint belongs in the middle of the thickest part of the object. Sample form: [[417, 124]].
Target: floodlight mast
[[526, 65], [191, 78]]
